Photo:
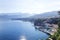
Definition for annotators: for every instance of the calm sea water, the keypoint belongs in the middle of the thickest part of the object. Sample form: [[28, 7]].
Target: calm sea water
[[19, 30]]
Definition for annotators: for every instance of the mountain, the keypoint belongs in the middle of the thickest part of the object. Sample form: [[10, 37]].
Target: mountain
[[26, 16], [41, 16], [13, 15], [46, 15]]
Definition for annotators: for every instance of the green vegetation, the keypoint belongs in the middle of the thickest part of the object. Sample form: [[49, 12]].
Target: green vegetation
[[38, 22], [56, 36]]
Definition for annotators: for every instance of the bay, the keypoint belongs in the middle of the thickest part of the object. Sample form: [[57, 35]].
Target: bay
[[20, 30]]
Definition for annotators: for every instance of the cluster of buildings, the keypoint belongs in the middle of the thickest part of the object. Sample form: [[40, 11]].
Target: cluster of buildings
[[49, 26]]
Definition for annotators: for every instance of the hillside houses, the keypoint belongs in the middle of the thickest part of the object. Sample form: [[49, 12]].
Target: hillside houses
[[48, 26]]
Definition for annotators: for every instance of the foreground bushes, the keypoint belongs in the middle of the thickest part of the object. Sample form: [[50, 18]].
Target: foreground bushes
[[56, 36]]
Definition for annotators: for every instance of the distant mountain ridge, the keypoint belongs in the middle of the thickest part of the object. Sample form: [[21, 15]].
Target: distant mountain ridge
[[15, 15], [26, 16], [46, 15], [4, 16]]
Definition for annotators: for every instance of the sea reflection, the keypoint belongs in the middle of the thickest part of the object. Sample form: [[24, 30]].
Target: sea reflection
[[23, 37]]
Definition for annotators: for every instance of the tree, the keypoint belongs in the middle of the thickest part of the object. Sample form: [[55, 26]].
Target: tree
[[59, 13], [58, 38], [38, 22], [59, 24]]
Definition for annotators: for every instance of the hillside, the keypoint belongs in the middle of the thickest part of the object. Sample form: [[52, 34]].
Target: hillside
[[46, 15]]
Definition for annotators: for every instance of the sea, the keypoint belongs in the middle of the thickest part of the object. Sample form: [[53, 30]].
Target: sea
[[20, 30]]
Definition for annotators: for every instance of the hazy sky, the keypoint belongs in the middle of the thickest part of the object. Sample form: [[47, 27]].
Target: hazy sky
[[29, 6]]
